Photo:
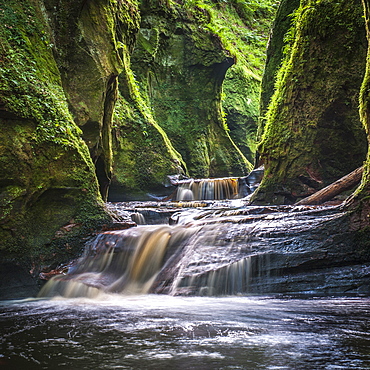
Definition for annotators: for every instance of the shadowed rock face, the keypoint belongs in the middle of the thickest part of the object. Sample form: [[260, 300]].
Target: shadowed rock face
[[16, 282]]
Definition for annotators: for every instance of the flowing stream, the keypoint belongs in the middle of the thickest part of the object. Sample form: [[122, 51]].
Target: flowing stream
[[199, 285], [165, 332]]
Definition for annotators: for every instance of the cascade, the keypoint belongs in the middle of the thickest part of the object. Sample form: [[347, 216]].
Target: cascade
[[208, 189], [219, 188], [154, 258], [124, 261], [208, 275], [221, 248]]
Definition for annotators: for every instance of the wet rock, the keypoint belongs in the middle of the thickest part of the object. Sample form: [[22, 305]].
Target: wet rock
[[16, 282], [308, 250], [118, 226]]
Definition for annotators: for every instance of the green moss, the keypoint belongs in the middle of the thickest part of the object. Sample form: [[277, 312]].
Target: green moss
[[180, 63], [240, 104], [282, 33], [143, 154], [47, 176], [362, 194], [313, 136], [91, 40], [8, 196], [243, 28]]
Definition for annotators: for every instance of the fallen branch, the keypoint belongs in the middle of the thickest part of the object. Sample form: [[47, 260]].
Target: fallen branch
[[345, 183]]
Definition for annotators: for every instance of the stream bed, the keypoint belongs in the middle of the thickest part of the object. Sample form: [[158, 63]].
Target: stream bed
[[166, 332], [209, 286]]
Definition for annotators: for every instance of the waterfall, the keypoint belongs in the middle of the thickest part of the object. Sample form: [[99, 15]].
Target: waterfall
[[230, 280], [152, 259], [138, 218], [125, 262], [208, 189], [217, 189], [217, 249], [207, 252]]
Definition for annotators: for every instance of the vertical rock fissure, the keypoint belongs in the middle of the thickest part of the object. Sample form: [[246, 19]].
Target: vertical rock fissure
[[104, 158]]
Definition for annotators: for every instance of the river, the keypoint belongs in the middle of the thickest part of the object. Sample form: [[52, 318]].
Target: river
[[245, 288], [165, 332]]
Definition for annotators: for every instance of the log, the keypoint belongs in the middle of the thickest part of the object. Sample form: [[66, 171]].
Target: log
[[345, 183]]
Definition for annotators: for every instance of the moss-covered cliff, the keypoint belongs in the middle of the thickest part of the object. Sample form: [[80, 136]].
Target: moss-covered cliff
[[58, 68], [275, 53], [143, 154], [91, 42], [180, 66], [313, 134], [244, 27], [360, 202], [182, 54]]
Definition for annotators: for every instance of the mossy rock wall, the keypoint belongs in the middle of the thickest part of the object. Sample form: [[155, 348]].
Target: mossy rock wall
[[240, 104], [365, 102], [49, 195], [180, 66], [313, 133], [360, 202], [92, 40], [275, 53], [184, 107], [143, 154], [244, 28]]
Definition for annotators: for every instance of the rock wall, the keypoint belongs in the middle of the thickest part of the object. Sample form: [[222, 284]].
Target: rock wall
[[313, 134], [275, 53], [47, 175], [91, 40], [189, 97], [185, 80], [180, 66], [251, 25], [359, 204], [59, 68]]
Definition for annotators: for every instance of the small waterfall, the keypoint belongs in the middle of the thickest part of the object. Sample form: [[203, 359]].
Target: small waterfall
[[125, 261], [158, 258], [231, 279], [228, 280], [138, 218], [208, 189], [209, 251], [219, 188]]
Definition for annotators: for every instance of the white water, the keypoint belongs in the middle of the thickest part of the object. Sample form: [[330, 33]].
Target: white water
[[131, 330], [164, 332], [210, 251], [208, 189]]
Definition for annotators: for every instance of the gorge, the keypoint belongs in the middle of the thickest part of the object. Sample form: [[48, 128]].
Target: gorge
[[155, 159]]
